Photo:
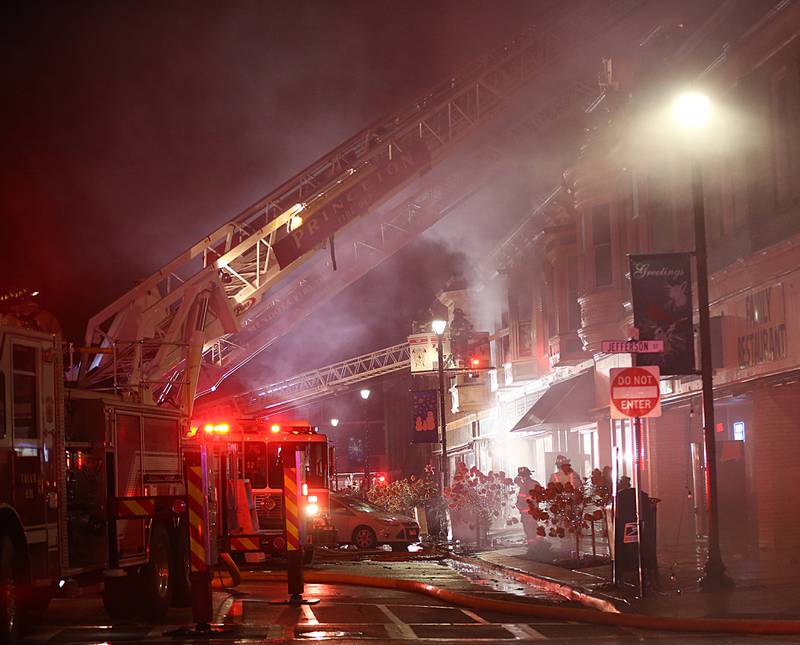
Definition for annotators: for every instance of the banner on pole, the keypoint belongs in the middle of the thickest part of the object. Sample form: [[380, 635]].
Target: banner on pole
[[424, 416], [661, 288]]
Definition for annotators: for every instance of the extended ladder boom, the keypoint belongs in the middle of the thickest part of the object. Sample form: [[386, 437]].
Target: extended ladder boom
[[323, 381], [218, 304]]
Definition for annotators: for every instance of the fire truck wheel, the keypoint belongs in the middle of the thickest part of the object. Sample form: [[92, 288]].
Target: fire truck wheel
[[181, 573], [9, 592], [119, 594], [157, 576], [365, 538]]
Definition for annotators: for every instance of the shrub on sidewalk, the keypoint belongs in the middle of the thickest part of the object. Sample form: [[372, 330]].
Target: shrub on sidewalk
[[478, 497], [403, 495], [562, 510]]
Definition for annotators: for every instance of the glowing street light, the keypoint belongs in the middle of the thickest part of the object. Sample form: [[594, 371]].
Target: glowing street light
[[438, 326], [365, 394], [334, 422], [691, 110]]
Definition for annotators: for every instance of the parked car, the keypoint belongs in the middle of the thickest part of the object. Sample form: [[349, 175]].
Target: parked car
[[366, 525]]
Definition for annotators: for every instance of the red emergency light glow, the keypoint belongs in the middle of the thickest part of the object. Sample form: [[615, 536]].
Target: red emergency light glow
[[475, 362], [211, 429], [274, 428]]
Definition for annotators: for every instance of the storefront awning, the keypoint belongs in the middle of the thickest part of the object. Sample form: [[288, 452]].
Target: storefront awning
[[569, 402]]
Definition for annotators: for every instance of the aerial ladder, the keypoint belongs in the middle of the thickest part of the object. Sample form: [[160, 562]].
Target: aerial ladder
[[309, 386], [233, 294]]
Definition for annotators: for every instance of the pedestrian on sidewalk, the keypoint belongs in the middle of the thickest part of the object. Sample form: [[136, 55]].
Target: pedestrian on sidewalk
[[565, 475]]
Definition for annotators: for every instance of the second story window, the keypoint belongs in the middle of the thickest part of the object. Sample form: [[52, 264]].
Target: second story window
[[601, 243], [661, 219], [524, 313], [552, 303], [573, 308], [782, 135]]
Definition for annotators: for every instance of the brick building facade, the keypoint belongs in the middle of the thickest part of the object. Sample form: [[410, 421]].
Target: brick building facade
[[564, 277]]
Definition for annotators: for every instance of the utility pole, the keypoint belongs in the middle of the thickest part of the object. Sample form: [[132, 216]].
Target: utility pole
[[715, 576]]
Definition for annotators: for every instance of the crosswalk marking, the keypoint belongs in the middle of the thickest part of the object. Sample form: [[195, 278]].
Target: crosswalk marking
[[311, 619], [474, 616], [526, 632], [402, 628]]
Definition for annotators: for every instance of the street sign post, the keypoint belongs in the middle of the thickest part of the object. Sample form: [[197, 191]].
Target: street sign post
[[635, 393], [632, 346]]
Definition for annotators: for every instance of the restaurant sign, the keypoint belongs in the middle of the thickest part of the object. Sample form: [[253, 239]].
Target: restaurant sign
[[761, 329]]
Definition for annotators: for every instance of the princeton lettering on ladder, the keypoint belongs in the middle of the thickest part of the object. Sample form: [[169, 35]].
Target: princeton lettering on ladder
[[377, 180]]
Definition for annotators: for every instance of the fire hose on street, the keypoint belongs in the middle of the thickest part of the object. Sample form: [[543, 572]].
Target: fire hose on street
[[529, 610]]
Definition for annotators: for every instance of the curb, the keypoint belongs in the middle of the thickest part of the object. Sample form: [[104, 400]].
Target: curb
[[576, 594]]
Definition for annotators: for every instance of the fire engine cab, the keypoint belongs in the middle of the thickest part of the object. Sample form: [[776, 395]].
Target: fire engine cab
[[248, 464], [91, 489]]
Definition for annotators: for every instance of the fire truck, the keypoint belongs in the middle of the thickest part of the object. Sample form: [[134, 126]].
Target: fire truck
[[247, 464], [91, 490]]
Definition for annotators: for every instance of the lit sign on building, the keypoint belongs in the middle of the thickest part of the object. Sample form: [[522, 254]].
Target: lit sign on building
[[762, 335]]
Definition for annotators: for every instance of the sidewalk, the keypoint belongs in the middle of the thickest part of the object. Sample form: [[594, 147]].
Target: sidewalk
[[766, 586]]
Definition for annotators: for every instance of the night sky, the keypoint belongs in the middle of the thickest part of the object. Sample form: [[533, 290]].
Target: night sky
[[131, 129]]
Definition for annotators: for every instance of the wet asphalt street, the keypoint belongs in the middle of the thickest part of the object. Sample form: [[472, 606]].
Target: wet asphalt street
[[348, 614]]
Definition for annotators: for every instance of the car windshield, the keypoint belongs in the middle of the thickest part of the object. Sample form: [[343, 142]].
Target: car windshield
[[364, 507]]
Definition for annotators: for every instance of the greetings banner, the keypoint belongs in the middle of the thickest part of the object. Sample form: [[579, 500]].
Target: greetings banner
[[661, 287], [424, 416]]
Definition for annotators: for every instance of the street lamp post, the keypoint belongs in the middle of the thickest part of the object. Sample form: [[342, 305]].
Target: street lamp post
[[692, 111], [365, 392], [438, 328]]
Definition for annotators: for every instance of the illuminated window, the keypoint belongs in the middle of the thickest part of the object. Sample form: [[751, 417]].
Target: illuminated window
[[738, 430]]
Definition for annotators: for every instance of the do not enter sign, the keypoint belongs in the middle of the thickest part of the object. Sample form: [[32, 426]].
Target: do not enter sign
[[635, 392]]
